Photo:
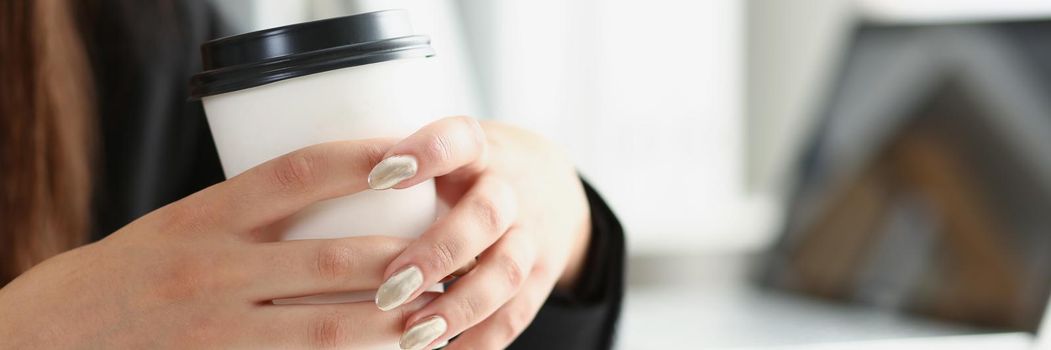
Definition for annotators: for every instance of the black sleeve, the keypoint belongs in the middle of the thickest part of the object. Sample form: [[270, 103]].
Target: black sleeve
[[154, 145], [585, 318]]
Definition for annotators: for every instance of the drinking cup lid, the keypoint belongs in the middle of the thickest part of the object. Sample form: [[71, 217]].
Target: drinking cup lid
[[270, 55]]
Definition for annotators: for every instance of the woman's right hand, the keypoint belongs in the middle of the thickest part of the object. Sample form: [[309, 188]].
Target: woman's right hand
[[200, 272]]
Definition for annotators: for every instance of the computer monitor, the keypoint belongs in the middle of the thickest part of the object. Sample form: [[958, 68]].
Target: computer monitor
[[926, 187]]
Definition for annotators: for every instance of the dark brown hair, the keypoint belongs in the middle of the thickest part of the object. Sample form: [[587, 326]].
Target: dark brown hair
[[45, 122]]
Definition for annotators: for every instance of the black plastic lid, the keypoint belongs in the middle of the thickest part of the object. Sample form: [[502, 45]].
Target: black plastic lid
[[270, 55]]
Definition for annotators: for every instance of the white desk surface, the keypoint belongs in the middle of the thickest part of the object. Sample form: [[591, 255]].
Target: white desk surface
[[1001, 341], [708, 304]]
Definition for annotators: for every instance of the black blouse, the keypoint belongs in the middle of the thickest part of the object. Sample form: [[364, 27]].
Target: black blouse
[[155, 148]]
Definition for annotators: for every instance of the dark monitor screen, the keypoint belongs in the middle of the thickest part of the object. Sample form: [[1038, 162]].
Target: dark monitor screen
[[926, 187]]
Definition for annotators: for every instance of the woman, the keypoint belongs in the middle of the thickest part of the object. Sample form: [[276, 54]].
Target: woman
[[100, 144]]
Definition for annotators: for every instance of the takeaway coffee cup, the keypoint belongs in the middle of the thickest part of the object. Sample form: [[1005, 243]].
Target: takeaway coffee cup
[[273, 91]]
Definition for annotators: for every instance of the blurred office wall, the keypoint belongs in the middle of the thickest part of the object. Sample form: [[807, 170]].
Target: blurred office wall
[[646, 96], [951, 11], [792, 50]]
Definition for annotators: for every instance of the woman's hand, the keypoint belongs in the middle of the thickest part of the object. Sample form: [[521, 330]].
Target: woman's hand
[[200, 273], [517, 206]]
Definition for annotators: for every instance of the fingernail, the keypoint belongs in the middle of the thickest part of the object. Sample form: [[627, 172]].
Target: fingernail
[[423, 333], [441, 345], [398, 288], [391, 171]]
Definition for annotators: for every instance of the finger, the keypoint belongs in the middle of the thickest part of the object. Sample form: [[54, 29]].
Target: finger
[[437, 149], [478, 220], [462, 271], [478, 294], [282, 186], [506, 324], [354, 325], [308, 267]]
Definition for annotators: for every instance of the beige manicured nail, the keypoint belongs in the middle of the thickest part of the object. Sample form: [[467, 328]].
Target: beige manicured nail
[[392, 171], [398, 288], [423, 333]]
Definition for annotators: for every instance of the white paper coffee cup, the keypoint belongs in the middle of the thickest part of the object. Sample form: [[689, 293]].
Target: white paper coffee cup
[[274, 91]]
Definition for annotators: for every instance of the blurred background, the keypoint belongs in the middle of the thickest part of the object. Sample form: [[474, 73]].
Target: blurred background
[[787, 171]]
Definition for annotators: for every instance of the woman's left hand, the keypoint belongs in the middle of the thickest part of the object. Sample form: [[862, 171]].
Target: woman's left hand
[[517, 206]]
